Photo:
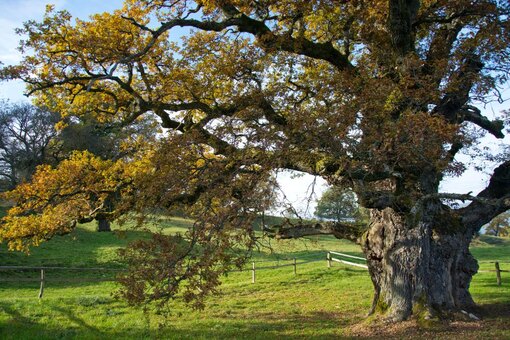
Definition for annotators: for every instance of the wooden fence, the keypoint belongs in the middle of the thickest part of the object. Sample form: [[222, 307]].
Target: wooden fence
[[497, 270], [43, 279], [293, 263], [331, 257]]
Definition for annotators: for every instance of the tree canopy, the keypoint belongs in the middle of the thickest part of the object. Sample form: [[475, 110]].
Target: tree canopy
[[338, 204], [379, 96], [26, 133]]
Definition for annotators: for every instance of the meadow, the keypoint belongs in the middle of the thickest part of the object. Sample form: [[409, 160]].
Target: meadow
[[316, 302]]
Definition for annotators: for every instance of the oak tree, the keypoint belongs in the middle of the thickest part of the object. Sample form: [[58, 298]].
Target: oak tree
[[379, 96]]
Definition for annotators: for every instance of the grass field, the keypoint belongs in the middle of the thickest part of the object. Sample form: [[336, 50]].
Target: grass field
[[316, 303]]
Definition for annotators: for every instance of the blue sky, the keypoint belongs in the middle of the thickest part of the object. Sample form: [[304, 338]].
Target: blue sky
[[14, 12]]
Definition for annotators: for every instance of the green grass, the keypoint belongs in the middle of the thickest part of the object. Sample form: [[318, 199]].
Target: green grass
[[316, 303]]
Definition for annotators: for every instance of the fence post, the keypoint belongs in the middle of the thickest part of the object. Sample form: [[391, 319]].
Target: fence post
[[295, 269], [41, 290], [329, 259], [253, 272], [498, 274]]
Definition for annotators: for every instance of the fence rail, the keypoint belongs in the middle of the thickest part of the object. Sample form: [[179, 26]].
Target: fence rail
[[57, 268], [43, 278], [349, 263], [497, 270], [294, 263]]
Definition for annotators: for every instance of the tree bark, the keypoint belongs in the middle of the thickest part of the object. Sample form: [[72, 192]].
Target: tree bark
[[419, 266], [103, 225]]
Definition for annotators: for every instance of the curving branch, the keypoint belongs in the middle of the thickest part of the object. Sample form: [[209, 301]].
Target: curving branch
[[267, 38]]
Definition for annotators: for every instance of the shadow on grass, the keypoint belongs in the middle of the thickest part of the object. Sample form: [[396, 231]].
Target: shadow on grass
[[68, 314], [15, 315], [494, 311], [82, 247], [492, 240], [261, 326], [21, 327]]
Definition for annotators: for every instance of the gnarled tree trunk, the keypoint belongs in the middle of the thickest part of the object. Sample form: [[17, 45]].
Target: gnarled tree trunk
[[418, 265], [418, 254]]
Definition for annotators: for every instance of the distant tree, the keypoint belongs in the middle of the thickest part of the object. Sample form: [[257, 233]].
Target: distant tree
[[86, 133], [338, 204], [26, 132], [28, 138], [500, 225], [108, 142]]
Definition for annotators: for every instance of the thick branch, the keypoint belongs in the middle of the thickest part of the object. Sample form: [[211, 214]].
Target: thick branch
[[213, 112], [492, 201], [440, 49], [270, 40], [454, 100], [201, 134], [380, 200], [266, 38], [473, 115], [348, 231]]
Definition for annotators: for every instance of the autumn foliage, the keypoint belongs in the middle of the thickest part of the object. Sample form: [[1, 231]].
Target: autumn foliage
[[57, 198]]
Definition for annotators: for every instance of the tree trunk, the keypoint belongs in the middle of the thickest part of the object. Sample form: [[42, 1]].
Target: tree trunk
[[419, 265], [103, 225]]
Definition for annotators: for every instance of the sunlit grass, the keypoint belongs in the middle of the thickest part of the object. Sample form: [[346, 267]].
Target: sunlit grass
[[317, 302]]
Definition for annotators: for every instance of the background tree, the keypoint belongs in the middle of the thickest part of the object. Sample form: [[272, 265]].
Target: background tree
[[26, 132], [28, 138], [499, 226], [85, 133], [378, 96], [338, 204]]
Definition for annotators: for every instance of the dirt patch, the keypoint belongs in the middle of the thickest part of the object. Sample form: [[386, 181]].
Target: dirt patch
[[411, 330], [494, 323]]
